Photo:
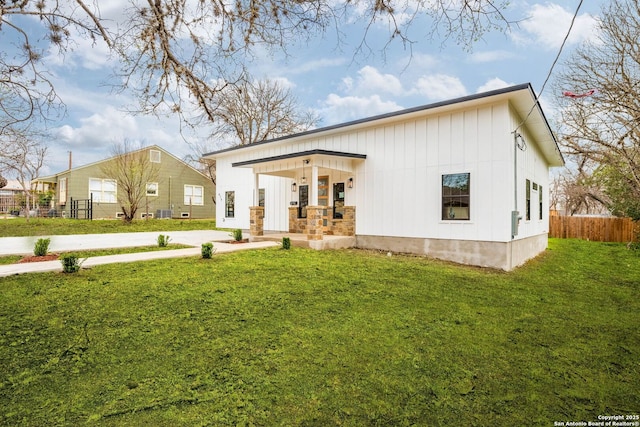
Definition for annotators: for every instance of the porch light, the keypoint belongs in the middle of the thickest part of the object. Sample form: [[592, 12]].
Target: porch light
[[350, 183], [294, 187]]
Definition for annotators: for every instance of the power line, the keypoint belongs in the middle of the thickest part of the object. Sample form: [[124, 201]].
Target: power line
[[555, 61]]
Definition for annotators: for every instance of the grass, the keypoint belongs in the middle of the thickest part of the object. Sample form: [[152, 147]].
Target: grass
[[59, 226], [11, 259], [301, 337]]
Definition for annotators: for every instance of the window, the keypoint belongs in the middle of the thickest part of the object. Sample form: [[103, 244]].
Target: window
[[103, 190], [152, 188], [261, 197], [303, 201], [230, 204], [528, 204], [193, 195], [63, 191], [456, 196], [540, 202], [338, 200], [154, 156]]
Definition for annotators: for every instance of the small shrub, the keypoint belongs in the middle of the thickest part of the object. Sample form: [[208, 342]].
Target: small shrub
[[163, 240], [208, 250], [237, 234], [286, 243], [42, 247], [70, 263]]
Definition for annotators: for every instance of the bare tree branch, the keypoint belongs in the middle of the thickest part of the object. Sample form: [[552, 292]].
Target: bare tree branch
[[605, 129], [22, 155], [132, 169]]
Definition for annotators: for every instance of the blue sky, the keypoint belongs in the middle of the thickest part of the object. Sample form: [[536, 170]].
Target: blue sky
[[336, 84]]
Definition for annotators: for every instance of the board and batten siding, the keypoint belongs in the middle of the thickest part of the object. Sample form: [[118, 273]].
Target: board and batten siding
[[397, 189], [399, 185]]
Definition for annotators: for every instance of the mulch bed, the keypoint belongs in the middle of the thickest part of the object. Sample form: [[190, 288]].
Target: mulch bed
[[32, 258]]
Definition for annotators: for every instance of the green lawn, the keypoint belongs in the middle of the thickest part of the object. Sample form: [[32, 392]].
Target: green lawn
[[323, 338], [60, 226]]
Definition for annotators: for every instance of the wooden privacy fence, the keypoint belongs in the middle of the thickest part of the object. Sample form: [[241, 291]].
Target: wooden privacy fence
[[599, 229]]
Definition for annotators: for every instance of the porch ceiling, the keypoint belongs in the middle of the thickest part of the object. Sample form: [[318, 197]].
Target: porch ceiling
[[287, 164]]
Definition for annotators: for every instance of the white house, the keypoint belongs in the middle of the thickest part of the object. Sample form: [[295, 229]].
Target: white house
[[465, 180]]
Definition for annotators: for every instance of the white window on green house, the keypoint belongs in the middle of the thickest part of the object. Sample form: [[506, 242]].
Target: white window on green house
[[152, 188], [103, 190], [193, 195], [154, 156], [62, 188]]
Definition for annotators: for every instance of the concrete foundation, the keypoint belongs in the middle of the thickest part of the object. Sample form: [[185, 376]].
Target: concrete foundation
[[500, 255]]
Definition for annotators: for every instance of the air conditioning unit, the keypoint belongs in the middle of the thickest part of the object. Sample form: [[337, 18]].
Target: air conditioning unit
[[164, 213]]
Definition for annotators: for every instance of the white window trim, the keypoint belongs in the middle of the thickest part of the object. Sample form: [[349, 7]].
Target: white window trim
[[188, 202], [102, 191], [157, 189], [155, 156], [63, 191]]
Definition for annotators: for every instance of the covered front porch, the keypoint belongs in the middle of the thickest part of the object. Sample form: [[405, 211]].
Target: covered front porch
[[321, 203]]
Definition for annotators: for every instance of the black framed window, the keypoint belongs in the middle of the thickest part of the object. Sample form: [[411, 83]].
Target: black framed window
[[230, 204], [338, 200], [456, 196], [303, 200], [528, 203], [540, 202]]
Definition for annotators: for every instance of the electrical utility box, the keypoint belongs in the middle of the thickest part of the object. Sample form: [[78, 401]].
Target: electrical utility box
[[515, 222]]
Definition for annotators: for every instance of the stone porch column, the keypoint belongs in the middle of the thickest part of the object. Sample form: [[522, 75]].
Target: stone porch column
[[293, 220], [314, 222], [256, 221]]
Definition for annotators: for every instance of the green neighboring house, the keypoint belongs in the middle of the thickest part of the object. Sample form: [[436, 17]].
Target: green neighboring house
[[180, 191]]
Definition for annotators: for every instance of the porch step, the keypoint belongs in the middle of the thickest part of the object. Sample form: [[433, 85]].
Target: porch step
[[300, 240]]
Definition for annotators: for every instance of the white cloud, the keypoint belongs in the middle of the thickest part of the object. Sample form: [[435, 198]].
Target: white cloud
[[493, 84], [439, 87], [547, 26], [490, 56], [100, 129], [370, 80], [317, 64], [340, 109]]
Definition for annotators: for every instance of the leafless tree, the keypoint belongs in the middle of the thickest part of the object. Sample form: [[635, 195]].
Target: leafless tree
[[176, 55], [249, 112], [254, 111], [604, 129], [22, 155], [577, 191], [26, 88], [133, 170]]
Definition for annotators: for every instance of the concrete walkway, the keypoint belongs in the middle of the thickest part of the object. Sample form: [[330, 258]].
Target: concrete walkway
[[25, 245]]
